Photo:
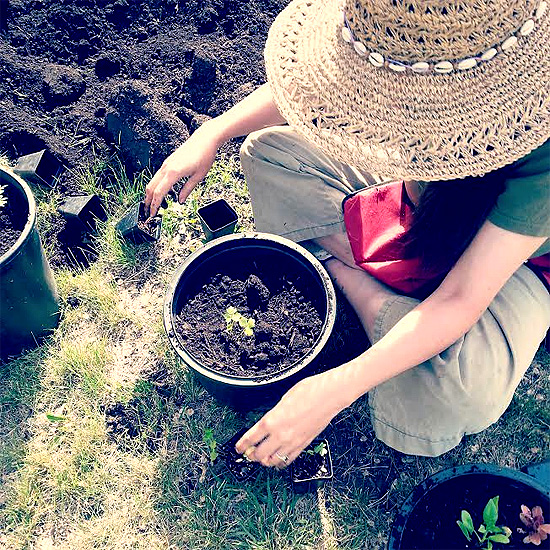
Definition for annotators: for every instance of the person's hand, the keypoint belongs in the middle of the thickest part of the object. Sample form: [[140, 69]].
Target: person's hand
[[302, 413], [192, 160]]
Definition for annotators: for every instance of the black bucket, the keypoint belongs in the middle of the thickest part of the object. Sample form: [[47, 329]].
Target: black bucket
[[233, 255], [434, 505], [29, 306]]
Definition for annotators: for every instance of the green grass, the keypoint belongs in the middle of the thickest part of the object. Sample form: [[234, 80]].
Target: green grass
[[102, 426]]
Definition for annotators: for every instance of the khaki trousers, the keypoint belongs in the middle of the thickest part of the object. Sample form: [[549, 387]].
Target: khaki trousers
[[296, 191]]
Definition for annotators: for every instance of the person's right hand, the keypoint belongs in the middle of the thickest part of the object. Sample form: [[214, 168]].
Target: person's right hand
[[191, 160]]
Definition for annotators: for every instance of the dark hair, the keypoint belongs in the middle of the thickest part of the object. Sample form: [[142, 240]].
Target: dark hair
[[448, 216]]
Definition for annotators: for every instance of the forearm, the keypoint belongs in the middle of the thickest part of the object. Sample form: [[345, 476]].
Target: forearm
[[254, 112], [424, 332]]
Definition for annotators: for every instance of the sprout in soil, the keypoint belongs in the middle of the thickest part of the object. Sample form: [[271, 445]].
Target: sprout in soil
[[320, 449], [232, 316], [208, 438], [537, 530], [3, 198], [488, 532]]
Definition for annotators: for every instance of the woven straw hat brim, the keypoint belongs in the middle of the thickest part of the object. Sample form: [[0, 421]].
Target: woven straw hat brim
[[423, 127]]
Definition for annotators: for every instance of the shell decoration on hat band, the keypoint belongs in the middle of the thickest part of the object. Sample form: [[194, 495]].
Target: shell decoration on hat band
[[378, 60]]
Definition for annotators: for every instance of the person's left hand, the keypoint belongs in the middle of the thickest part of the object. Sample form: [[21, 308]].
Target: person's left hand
[[301, 414]]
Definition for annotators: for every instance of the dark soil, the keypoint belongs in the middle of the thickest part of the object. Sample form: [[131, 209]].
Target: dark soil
[[241, 468], [83, 77], [311, 465], [433, 522], [8, 233], [286, 326], [149, 225], [13, 217]]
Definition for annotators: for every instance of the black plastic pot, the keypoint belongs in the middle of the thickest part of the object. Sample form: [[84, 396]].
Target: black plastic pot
[[40, 168], [235, 255], [129, 225], [217, 219], [240, 468], [29, 306], [82, 212], [305, 484], [441, 496]]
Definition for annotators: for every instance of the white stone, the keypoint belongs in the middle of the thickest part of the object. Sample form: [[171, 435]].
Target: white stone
[[489, 54], [376, 59], [541, 10], [346, 35], [397, 67], [360, 48], [443, 67], [467, 63], [510, 42], [420, 67]]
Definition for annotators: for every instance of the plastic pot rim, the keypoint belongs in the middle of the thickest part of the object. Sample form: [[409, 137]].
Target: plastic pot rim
[[241, 381], [433, 481], [14, 250]]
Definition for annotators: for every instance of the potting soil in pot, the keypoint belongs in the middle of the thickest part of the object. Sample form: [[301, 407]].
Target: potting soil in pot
[[432, 524], [285, 326], [10, 231]]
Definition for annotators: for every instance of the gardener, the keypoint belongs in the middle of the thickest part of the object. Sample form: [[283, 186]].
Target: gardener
[[447, 106]]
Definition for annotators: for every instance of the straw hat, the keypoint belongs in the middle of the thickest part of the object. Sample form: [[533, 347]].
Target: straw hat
[[416, 89]]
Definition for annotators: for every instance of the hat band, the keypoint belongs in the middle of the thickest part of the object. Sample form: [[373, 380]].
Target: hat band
[[441, 67]]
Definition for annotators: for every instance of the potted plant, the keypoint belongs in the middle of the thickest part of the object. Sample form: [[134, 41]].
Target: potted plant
[[249, 314], [473, 506], [313, 467], [238, 465], [137, 228], [28, 299]]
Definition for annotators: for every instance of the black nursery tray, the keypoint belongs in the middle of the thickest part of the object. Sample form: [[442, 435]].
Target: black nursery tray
[[136, 228], [240, 467], [310, 470]]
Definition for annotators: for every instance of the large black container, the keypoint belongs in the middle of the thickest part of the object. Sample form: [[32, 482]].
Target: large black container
[[28, 299], [234, 255], [439, 499]]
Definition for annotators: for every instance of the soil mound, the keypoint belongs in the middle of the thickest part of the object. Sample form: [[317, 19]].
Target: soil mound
[[80, 76]]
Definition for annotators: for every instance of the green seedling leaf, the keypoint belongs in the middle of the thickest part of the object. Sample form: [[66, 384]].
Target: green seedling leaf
[[243, 322], [248, 331], [467, 521], [53, 418], [482, 528], [490, 513], [231, 310], [503, 539], [465, 531]]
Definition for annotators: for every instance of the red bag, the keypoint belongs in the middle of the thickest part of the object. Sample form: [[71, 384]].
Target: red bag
[[377, 219]]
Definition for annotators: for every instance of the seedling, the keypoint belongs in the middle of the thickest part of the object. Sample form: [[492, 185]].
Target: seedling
[[488, 532], [232, 316], [208, 438], [3, 198], [537, 531], [320, 449]]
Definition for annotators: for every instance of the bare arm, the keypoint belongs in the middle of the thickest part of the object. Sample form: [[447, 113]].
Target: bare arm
[[306, 409], [195, 157], [446, 315]]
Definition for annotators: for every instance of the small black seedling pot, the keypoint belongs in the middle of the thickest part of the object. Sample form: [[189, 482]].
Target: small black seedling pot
[[240, 467], [217, 219], [40, 168], [82, 212], [310, 470], [135, 228]]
